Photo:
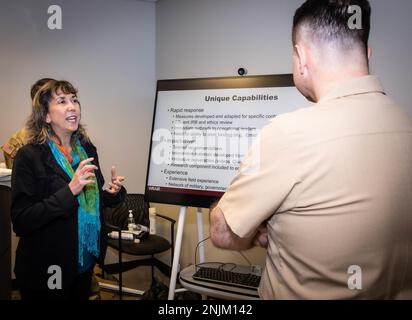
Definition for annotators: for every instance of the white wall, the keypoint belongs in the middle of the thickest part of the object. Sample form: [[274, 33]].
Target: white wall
[[392, 47], [107, 50], [197, 38]]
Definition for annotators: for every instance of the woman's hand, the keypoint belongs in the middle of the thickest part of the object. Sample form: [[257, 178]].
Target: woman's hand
[[116, 184], [83, 176]]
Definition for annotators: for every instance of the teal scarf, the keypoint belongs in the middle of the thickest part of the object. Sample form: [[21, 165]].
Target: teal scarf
[[89, 203]]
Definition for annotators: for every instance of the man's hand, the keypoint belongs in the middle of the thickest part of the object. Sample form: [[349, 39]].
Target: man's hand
[[116, 184], [222, 236], [261, 237]]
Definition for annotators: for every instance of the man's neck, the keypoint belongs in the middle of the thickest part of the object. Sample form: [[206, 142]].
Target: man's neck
[[328, 82]]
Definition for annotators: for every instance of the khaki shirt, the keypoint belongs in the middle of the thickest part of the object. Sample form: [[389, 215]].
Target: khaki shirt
[[10, 148], [334, 184]]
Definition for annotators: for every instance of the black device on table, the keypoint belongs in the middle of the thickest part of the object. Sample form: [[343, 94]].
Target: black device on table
[[229, 278]]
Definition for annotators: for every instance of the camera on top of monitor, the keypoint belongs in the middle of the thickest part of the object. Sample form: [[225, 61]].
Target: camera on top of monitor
[[242, 71]]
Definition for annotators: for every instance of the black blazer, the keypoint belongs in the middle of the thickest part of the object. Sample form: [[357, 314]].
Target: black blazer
[[44, 216]]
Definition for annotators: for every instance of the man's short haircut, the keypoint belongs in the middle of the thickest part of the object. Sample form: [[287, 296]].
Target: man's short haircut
[[327, 22]]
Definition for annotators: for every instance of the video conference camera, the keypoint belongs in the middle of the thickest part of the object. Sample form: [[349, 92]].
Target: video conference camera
[[242, 71]]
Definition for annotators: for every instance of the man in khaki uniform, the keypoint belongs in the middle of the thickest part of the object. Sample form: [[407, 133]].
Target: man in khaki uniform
[[332, 199]]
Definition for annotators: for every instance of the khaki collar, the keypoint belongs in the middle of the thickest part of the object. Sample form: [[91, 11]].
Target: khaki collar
[[355, 86]]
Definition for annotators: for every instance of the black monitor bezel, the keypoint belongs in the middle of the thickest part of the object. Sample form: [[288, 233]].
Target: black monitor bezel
[[260, 81]]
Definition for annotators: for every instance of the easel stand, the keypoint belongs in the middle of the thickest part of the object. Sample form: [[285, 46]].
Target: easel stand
[[178, 247]]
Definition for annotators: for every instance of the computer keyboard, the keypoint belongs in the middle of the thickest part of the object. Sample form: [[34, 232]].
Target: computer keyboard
[[229, 278]]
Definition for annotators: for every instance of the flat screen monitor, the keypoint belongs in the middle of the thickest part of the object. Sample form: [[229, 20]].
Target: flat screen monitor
[[202, 128]]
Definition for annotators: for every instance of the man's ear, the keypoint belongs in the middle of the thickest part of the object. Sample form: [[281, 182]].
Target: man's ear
[[369, 53], [302, 58]]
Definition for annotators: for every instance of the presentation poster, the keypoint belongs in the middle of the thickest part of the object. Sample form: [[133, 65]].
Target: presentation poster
[[200, 136]]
